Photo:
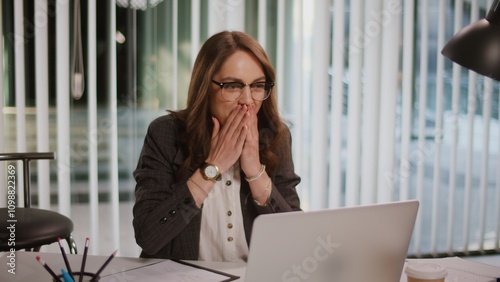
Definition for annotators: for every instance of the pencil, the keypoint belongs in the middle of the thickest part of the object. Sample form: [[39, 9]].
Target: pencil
[[104, 265], [49, 270], [66, 276], [84, 259], [68, 266]]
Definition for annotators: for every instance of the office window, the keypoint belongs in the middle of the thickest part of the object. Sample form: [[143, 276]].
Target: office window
[[376, 113]]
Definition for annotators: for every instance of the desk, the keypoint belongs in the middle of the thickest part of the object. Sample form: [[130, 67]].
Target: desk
[[28, 269]]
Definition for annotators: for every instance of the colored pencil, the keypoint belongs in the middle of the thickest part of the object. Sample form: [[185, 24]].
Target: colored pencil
[[49, 270], [84, 259], [104, 265], [68, 266]]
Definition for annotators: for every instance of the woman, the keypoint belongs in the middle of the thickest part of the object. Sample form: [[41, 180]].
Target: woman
[[207, 171]]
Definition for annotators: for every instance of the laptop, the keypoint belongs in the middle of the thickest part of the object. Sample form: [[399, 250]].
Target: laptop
[[351, 244]]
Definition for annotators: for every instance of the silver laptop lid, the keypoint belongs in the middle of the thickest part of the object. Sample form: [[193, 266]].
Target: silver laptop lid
[[361, 243]]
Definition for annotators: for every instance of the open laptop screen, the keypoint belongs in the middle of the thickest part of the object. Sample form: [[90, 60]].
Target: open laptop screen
[[361, 243]]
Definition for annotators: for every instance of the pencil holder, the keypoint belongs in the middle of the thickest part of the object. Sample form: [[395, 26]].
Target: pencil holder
[[87, 276]]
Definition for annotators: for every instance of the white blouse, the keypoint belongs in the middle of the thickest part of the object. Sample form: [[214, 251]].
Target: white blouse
[[222, 235]]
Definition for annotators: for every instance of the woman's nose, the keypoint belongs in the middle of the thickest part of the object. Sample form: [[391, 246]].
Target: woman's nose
[[246, 95]]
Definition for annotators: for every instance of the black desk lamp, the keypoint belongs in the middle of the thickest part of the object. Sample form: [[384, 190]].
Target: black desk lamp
[[477, 46]]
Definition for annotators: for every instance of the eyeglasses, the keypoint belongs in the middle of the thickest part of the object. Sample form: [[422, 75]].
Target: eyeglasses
[[231, 91]]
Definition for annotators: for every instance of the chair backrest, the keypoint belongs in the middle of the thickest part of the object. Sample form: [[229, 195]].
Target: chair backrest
[[26, 158]]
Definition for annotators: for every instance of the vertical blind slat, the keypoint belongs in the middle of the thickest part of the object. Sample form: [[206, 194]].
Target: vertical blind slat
[[453, 124], [483, 184], [63, 108], [20, 92], [488, 92], [421, 116], [497, 202], [354, 102], [306, 107], [320, 105], [469, 158], [216, 15], [297, 73], [175, 51], [262, 15], [371, 103], [438, 128], [407, 91], [471, 111], [337, 93], [42, 100], [280, 56], [113, 106], [389, 88], [195, 29], [92, 125], [235, 15]]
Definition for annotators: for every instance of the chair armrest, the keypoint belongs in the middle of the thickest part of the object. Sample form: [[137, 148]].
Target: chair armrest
[[27, 156]]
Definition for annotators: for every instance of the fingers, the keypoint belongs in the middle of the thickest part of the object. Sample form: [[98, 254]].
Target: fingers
[[252, 121], [235, 122], [216, 129], [228, 138], [240, 142], [250, 151]]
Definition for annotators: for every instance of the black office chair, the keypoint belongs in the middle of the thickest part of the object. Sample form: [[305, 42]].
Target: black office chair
[[26, 227]]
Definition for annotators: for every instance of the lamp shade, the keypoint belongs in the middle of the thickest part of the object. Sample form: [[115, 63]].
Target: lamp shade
[[477, 46]]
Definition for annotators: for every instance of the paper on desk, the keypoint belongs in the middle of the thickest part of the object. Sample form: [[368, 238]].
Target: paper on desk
[[467, 271], [168, 270]]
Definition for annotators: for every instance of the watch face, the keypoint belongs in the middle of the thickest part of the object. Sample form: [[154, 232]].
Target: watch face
[[211, 171]]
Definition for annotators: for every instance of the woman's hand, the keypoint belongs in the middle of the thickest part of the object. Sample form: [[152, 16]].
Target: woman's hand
[[250, 161], [227, 142]]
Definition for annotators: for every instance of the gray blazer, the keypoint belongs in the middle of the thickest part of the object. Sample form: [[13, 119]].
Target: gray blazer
[[166, 219]]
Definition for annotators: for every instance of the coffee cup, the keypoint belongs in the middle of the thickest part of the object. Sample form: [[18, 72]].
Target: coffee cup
[[425, 272]]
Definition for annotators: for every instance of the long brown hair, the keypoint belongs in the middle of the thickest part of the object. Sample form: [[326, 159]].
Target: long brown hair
[[196, 117]]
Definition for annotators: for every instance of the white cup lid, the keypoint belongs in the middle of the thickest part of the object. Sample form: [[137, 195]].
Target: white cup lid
[[425, 270]]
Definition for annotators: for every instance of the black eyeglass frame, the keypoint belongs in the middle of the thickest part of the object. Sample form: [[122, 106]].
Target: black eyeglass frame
[[268, 86]]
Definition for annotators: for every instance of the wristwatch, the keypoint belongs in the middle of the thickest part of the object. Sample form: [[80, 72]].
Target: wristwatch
[[210, 172]]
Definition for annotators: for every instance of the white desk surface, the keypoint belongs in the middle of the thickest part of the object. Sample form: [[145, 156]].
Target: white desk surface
[[28, 268]]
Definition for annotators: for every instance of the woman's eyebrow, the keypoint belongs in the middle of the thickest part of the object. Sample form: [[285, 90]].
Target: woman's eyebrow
[[260, 79], [235, 79]]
